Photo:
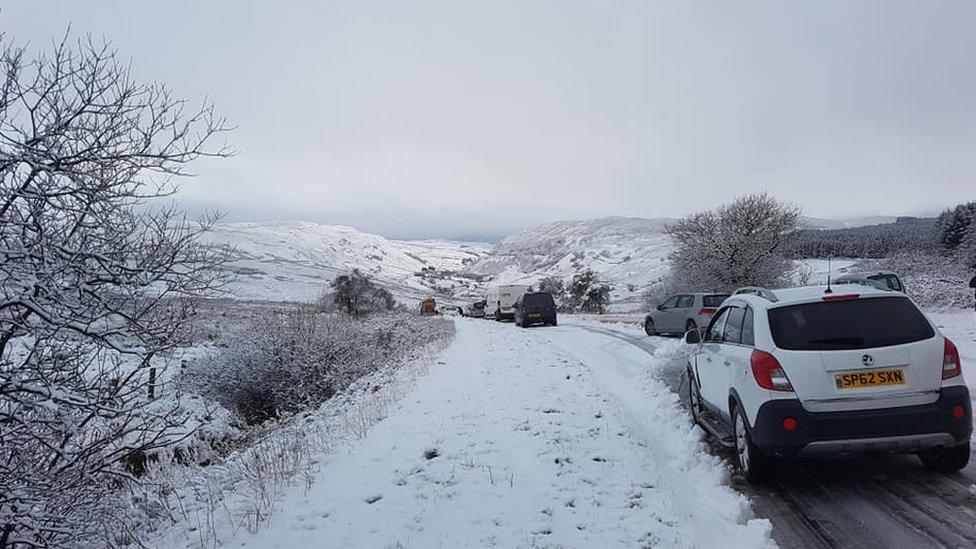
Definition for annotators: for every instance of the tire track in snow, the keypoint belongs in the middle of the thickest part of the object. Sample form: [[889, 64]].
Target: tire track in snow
[[652, 415]]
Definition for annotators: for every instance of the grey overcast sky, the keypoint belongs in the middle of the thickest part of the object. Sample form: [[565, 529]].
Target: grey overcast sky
[[476, 118]]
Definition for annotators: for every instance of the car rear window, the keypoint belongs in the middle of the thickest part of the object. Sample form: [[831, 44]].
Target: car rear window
[[714, 300], [853, 324], [891, 281], [539, 301]]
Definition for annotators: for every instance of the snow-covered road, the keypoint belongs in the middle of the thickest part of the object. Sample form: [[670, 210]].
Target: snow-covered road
[[552, 437]]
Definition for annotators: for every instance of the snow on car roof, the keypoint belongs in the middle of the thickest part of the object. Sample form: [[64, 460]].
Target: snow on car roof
[[789, 296], [808, 293]]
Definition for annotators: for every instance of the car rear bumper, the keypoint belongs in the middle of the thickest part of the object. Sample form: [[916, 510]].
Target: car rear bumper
[[543, 318], [889, 430]]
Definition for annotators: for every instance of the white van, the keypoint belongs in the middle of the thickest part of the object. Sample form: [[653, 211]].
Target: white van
[[500, 299]]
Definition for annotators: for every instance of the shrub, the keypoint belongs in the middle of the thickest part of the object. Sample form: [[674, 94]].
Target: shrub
[[588, 293], [557, 287], [290, 361], [357, 295]]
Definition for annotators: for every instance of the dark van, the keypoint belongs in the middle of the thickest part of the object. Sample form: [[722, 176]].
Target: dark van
[[535, 308]]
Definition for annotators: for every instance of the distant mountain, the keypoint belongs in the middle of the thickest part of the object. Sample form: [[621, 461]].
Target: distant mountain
[[296, 260], [629, 252]]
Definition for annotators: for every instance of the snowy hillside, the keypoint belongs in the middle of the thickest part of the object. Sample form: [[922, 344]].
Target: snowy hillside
[[629, 252], [296, 260]]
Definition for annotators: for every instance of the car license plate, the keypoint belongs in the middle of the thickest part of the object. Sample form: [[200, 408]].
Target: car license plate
[[534, 315], [870, 378]]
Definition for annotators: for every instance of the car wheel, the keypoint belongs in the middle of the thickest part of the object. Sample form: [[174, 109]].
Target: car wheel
[[946, 460], [689, 326], [694, 398], [751, 461], [555, 322], [649, 327]]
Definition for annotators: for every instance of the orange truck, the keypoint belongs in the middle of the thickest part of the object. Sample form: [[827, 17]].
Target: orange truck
[[428, 307]]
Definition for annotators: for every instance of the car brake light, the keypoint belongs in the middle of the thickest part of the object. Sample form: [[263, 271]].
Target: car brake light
[[950, 361], [768, 372], [707, 311], [841, 297]]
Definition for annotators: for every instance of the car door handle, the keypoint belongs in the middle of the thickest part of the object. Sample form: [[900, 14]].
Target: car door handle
[[708, 359], [727, 363]]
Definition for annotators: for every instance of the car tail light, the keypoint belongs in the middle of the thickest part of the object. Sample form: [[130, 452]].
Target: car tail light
[[768, 372], [841, 297], [958, 412], [707, 311], [950, 361]]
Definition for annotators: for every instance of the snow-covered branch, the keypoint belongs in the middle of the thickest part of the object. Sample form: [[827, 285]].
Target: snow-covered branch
[[95, 282]]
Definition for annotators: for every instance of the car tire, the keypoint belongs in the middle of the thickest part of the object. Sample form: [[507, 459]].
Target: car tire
[[649, 327], [689, 326], [946, 460], [752, 463], [555, 322]]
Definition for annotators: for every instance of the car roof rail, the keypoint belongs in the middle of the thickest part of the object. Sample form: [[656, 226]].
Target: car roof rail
[[757, 290]]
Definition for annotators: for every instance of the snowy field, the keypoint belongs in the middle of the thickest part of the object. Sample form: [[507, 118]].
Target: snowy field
[[553, 437]]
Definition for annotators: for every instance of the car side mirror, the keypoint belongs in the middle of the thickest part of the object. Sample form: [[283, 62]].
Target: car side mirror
[[660, 307], [693, 337]]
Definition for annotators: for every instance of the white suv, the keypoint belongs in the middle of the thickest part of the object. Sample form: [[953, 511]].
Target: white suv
[[816, 372]]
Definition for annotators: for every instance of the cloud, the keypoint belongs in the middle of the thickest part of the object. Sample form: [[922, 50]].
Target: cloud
[[444, 118]]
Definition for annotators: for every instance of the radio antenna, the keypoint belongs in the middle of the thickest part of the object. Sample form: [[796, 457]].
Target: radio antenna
[[828, 290]]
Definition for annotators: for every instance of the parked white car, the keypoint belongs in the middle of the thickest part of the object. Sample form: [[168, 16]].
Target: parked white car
[[807, 372]]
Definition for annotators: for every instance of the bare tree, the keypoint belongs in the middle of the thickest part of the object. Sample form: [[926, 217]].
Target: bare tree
[[94, 281], [738, 244]]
